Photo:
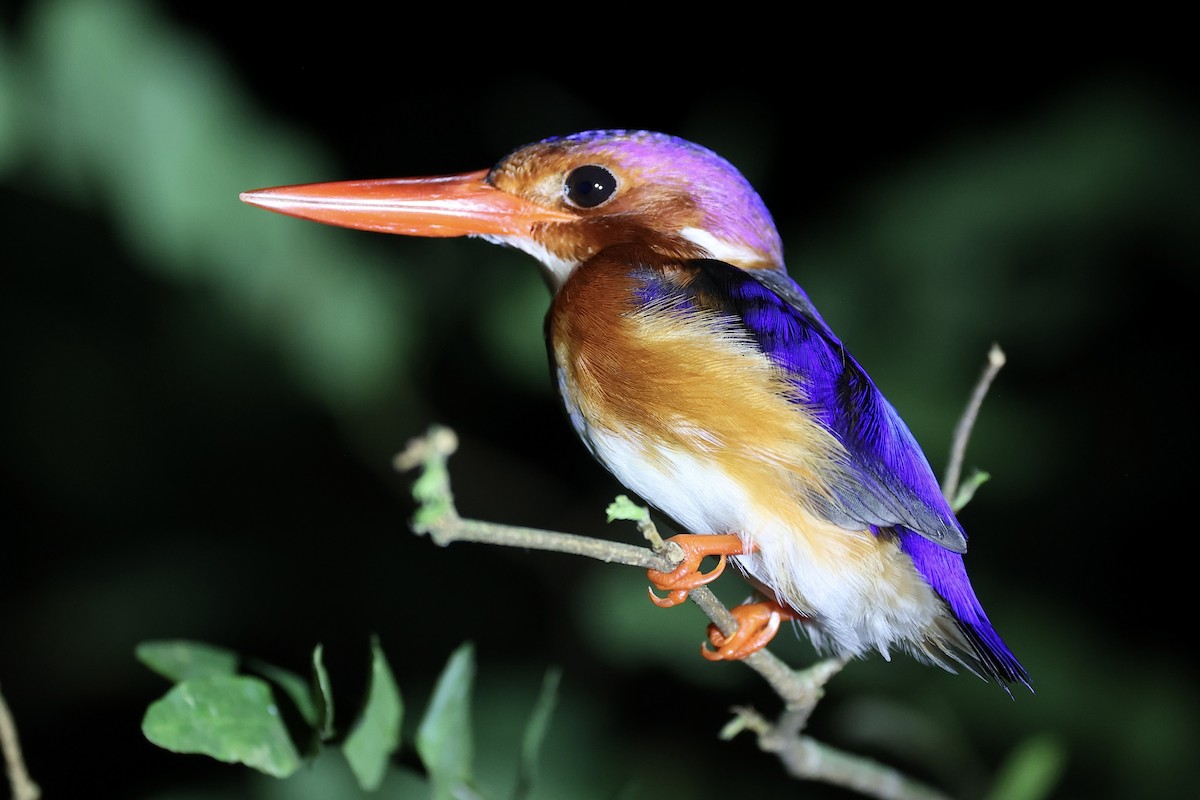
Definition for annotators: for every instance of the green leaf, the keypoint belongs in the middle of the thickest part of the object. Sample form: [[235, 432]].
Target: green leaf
[[231, 718], [968, 487], [376, 734], [535, 733], [624, 508], [444, 740], [431, 491], [1031, 772], [324, 693], [296, 687], [179, 659]]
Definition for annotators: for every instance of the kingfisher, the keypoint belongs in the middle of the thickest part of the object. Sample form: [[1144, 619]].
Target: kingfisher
[[700, 374]]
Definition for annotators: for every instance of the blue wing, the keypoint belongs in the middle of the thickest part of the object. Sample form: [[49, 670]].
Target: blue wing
[[889, 482]]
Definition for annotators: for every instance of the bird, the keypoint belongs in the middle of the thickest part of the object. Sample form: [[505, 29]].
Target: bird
[[699, 373]]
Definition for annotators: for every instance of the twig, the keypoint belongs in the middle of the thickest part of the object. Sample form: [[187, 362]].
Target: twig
[[438, 517], [962, 431], [804, 757], [23, 787], [800, 691]]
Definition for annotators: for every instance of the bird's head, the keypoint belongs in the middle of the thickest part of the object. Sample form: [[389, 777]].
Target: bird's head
[[564, 199]]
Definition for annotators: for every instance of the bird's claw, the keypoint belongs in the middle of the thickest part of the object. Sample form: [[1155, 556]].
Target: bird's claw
[[757, 624], [687, 576]]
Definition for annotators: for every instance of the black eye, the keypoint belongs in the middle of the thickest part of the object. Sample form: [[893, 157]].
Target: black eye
[[591, 185]]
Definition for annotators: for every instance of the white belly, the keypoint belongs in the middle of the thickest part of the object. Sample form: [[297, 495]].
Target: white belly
[[861, 591]]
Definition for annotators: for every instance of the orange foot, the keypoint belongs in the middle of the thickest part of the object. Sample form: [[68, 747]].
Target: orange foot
[[757, 625], [687, 576]]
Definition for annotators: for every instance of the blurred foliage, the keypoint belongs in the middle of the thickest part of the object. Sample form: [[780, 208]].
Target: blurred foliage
[[201, 400], [213, 710], [112, 143], [376, 735], [1013, 236], [1031, 772]]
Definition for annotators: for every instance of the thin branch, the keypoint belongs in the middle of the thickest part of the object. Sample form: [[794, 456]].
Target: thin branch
[[962, 431], [23, 787], [804, 757], [437, 517]]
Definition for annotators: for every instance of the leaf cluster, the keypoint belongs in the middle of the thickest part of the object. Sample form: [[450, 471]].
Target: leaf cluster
[[225, 706]]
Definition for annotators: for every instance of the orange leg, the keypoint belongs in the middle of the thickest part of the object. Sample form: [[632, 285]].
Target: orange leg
[[757, 622], [687, 576], [757, 625]]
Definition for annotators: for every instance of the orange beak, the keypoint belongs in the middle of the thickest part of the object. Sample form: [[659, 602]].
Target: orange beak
[[446, 205]]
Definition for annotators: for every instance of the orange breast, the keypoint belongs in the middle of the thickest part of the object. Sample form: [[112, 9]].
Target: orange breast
[[684, 381]]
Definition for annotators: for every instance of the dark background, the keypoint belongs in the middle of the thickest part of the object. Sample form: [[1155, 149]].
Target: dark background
[[201, 400]]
